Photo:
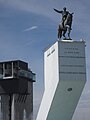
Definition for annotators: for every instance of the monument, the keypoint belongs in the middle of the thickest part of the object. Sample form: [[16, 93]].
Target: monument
[[66, 23], [64, 76]]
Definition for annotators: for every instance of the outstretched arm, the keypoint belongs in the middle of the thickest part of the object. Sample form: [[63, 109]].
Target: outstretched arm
[[58, 11]]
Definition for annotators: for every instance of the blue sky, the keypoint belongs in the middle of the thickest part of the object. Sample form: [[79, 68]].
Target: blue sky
[[27, 27]]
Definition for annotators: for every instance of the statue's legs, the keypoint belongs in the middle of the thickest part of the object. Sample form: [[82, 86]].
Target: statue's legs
[[69, 31], [64, 32], [59, 32]]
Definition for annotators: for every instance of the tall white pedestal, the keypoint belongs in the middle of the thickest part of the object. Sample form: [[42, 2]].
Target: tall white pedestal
[[65, 77]]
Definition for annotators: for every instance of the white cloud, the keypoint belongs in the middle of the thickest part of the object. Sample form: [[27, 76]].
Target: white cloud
[[30, 28]]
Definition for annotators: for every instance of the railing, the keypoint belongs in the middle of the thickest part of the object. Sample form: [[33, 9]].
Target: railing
[[20, 73], [27, 74]]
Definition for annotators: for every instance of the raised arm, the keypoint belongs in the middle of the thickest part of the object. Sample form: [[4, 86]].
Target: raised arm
[[57, 11]]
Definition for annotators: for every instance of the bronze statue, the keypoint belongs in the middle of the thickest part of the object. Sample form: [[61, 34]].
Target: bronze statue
[[65, 24]]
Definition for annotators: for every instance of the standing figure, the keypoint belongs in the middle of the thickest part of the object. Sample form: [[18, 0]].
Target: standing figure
[[64, 13], [66, 23]]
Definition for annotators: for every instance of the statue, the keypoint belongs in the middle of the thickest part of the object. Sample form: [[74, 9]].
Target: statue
[[65, 24]]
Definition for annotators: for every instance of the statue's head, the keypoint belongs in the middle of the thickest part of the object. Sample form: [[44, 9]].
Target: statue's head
[[64, 8]]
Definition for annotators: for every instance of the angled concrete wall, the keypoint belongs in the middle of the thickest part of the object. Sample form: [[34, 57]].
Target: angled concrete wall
[[65, 77]]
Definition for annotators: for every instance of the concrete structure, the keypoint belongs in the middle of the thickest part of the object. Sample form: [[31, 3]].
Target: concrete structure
[[65, 77], [16, 90]]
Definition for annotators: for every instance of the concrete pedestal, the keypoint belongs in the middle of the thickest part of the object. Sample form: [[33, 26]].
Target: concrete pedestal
[[65, 77]]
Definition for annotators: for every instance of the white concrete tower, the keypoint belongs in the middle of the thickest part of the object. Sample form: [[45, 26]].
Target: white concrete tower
[[65, 77]]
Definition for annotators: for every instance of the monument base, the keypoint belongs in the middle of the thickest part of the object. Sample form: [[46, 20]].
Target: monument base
[[65, 77]]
